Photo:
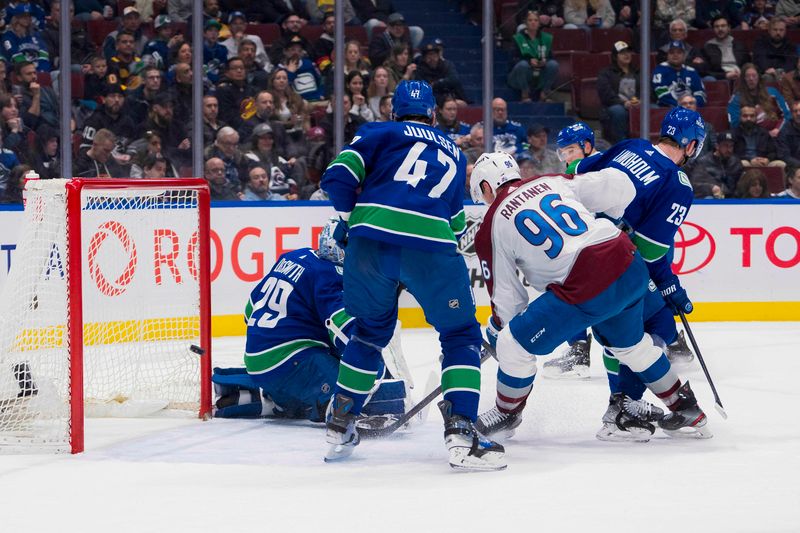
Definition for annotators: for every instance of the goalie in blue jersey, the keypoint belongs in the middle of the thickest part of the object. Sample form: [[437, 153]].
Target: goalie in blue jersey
[[297, 329], [398, 188]]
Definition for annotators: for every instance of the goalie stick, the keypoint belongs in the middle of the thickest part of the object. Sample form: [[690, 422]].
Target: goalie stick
[[717, 402], [373, 433]]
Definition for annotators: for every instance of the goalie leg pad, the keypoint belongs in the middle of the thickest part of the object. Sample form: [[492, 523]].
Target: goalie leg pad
[[388, 399]]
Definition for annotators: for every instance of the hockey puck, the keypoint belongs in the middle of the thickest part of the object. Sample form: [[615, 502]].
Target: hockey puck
[[196, 349]]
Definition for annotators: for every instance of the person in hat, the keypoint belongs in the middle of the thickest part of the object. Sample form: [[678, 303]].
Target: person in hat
[[545, 160], [380, 46], [21, 42], [291, 25], [440, 74], [534, 69], [303, 74], [715, 175], [214, 54], [237, 24], [375, 14], [618, 88], [673, 78], [38, 15], [156, 51], [131, 21], [110, 116], [174, 135]]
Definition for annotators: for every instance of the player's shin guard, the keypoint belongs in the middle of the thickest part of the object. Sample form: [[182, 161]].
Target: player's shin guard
[[515, 375], [653, 369], [358, 370]]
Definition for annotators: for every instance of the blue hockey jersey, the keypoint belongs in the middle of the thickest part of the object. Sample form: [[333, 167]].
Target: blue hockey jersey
[[288, 309], [663, 196], [412, 180], [456, 131], [671, 85], [27, 48], [509, 138]]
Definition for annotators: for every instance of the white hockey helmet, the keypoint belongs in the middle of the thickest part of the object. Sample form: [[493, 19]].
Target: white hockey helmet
[[494, 169]]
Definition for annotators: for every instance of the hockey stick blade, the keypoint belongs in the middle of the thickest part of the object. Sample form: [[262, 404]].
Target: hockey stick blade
[[367, 433], [717, 401]]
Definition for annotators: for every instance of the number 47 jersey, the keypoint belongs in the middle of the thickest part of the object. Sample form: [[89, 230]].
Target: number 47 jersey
[[545, 228], [411, 179]]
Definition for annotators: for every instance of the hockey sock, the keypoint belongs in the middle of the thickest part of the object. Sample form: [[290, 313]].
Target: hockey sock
[[357, 372], [512, 392], [461, 380], [652, 367], [612, 370]]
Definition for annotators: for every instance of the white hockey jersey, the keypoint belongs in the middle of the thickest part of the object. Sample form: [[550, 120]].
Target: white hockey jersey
[[545, 228]]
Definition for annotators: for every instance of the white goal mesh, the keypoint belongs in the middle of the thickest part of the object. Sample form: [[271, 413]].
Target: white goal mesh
[[138, 302]]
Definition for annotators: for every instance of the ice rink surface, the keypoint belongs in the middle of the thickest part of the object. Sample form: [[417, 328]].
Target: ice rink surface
[[173, 475]]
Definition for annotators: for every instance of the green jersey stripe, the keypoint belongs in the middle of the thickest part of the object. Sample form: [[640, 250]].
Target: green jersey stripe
[[402, 222], [352, 161], [355, 380], [611, 364], [462, 378], [248, 310], [458, 222], [262, 362], [649, 249]]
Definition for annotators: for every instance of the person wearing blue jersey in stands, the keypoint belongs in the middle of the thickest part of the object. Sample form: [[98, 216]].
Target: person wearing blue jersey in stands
[[399, 188]]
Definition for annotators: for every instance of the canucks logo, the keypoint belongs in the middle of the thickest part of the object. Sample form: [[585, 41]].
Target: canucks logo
[[466, 243], [684, 178]]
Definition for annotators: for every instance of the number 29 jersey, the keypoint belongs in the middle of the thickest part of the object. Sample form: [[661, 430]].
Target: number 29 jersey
[[411, 179], [541, 227]]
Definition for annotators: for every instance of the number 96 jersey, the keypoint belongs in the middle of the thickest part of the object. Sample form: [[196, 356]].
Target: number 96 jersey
[[541, 227], [411, 179]]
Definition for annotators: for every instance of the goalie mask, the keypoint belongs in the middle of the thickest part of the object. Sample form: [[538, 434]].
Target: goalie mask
[[494, 169], [328, 248]]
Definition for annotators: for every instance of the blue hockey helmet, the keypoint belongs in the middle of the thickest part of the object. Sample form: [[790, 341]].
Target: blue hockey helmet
[[577, 133], [328, 248], [413, 97], [684, 126]]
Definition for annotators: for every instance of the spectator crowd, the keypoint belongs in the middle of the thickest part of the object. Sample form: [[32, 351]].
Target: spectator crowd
[[268, 69]]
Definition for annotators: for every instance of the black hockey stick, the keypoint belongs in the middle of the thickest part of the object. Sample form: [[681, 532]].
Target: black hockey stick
[[373, 433], [717, 402]]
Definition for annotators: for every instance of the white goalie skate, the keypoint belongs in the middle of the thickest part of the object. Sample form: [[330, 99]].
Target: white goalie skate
[[469, 450]]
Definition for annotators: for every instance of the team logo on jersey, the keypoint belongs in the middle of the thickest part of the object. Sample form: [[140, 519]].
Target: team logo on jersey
[[683, 178], [466, 244]]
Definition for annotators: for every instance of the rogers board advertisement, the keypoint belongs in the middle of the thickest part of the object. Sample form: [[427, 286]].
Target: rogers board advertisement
[[727, 252]]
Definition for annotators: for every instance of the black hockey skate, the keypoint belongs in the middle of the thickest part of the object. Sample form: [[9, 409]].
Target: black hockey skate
[[687, 420], [679, 352], [628, 420], [341, 436], [574, 364], [496, 422], [469, 450]]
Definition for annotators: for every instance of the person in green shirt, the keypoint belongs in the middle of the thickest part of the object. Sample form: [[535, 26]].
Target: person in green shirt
[[534, 68]]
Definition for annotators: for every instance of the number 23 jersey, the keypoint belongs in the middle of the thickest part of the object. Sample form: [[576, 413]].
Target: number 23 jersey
[[411, 179], [540, 227]]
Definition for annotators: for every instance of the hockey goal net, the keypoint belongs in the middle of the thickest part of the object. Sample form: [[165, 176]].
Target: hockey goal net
[[106, 310]]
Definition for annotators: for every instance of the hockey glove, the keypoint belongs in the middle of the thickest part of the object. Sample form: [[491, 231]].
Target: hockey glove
[[675, 295], [340, 233], [492, 331]]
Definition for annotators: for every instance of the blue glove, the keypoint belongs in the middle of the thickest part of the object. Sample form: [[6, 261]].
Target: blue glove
[[492, 331], [340, 233], [675, 295]]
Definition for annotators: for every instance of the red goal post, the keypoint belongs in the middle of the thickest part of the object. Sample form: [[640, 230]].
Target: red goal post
[[114, 329]]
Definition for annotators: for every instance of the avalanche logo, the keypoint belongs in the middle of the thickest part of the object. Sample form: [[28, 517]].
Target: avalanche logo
[[466, 243], [694, 248], [120, 284]]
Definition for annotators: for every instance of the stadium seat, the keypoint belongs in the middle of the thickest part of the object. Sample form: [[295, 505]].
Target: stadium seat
[[776, 179], [564, 40], [717, 116], [76, 82], [698, 38], [656, 116], [748, 37], [470, 115], [99, 29], [603, 39], [589, 65], [269, 33], [718, 93], [586, 100], [44, 79], [311, 32], [358, 33]]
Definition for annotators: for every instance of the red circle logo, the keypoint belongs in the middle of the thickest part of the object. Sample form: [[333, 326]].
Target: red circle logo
[[119, 285], [694, 248]]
